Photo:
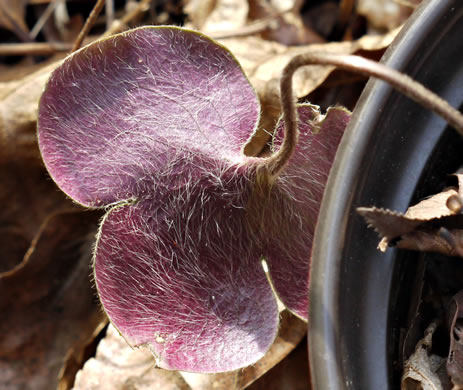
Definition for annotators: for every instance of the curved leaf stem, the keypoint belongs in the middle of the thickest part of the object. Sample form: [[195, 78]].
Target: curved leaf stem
[[401, 82]]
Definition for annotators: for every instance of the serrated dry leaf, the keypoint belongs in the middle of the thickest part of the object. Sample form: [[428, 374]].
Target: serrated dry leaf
[[420, 371], [434, 224], [48, 305], [291, 332], [117, 366]]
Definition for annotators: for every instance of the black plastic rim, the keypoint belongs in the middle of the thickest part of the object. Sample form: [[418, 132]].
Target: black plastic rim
[[382, 158]]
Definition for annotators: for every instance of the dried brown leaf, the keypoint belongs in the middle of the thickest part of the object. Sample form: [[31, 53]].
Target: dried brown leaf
[[387, 223], [420, 371], [48, 305], [445, 241], [18, 115], [263, 62], [434, 207], [227, 15], [29, 197], [287, 26], [291, 332], [117, 366], [291, 373], [432, 225], [386, 14], [198, 12], [455, 358]]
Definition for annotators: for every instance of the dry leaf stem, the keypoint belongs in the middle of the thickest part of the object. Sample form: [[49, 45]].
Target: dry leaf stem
[[401, 82], [269, 22], [356, 64]]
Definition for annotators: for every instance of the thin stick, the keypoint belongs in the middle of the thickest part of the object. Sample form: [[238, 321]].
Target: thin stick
[[33, 48], [268, 22], [88, 24], [345, 12], [109, 13], [17, 28], [356, 64], [250, 29], [43, 18]]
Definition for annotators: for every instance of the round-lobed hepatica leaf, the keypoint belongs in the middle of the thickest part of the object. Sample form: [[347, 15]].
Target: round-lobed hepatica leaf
[[152, 123], [300, 189], [165, 283], [142, 101]]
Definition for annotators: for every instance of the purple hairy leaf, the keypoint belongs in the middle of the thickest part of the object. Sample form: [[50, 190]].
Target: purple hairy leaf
[[102, 106], [151, 124]]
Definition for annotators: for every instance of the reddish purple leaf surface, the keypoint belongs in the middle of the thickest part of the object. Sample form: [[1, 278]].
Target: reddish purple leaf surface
[[164, 282], [302, 183], [153, 123], [138, 104]]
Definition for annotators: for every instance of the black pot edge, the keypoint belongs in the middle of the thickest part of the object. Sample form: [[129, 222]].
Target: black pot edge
[[325, 357]]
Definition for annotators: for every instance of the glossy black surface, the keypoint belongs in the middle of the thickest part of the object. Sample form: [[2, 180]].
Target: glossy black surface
[[383, 160]]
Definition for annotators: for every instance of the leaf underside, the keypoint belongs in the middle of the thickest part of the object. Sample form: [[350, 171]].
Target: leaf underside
[[155, 130]]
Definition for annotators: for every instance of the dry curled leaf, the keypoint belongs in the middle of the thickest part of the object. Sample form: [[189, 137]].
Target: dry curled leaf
[[421, 370], [434, 224], [226, 15], [455, 359], [291, 332], [118, 366], [48, 305], [291, 373], [385, 14], [263, 62], [198, 12]]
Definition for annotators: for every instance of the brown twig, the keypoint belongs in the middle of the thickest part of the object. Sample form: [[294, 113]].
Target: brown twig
[[33, 48], [403, 83], [346, 8], [88, 24], [17, 28], [250, 29], [269, 22]]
